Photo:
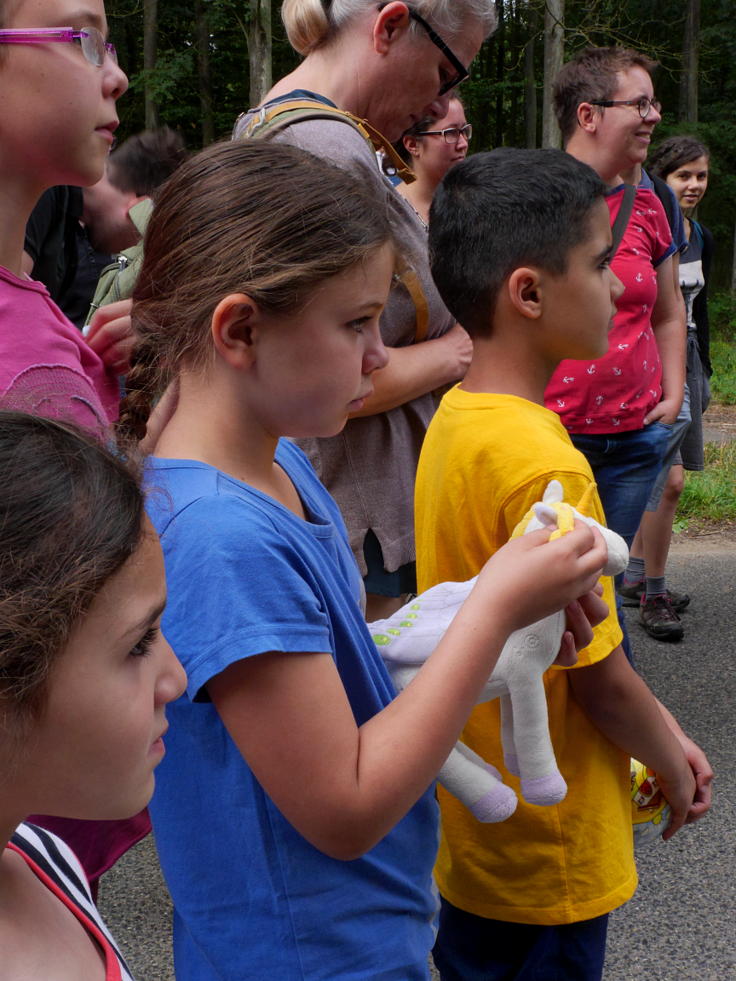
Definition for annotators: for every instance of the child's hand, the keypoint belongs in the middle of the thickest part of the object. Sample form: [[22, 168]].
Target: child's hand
[[680, 793], [581, 616], [110, 335], [531, 577], [703, 775]]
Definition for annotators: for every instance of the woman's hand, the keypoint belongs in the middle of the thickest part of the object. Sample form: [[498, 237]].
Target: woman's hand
[[458, 353]]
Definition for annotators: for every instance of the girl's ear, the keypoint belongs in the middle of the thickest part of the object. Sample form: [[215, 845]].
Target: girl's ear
[[524, 292], [412, 145], [234, 322], [391, 22]]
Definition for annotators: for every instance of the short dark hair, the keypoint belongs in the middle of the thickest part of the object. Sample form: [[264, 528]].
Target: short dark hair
[[71, 515], [591, 75], [673, 153], [145, 160], [497, 211]]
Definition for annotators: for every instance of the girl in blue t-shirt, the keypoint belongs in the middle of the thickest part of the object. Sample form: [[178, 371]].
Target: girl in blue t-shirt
[[294, 813]]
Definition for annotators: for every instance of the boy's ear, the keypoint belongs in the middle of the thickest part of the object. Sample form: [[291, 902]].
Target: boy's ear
[[390, 23], [235, 321], [524, 292]]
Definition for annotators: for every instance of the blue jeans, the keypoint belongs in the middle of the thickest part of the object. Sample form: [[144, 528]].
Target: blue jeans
[[472, 948], [625, 467]]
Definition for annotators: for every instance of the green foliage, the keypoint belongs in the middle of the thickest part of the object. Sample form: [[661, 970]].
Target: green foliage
[[722, 315], [495, 93], [711, 495]]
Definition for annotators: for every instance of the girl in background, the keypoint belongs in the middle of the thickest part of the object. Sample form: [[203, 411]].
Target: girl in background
[[295, 815], [684, 163], [84, 678], [433, 147]]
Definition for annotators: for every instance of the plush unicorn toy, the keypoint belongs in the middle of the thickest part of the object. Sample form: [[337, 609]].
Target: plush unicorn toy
[[407, 639]]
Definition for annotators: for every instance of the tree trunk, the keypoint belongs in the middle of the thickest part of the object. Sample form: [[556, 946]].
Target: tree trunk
[[689, 80], [554, 15], [259, 50], [203, 66], [530, 85], [150, 43], [500, 39]]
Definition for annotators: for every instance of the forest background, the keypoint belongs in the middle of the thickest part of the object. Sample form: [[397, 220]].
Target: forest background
[[196, 65]]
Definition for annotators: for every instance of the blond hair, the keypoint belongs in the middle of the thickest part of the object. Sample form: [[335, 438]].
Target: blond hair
[[311, 23]]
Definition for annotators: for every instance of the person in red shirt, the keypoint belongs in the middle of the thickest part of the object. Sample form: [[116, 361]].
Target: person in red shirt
[[619, 408]]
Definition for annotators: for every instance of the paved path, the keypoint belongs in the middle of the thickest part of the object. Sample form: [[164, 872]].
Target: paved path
[[681, 924]]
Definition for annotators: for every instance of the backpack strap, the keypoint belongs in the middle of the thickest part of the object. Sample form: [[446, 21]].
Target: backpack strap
[[621, 223], [274, 116], [664, 193]]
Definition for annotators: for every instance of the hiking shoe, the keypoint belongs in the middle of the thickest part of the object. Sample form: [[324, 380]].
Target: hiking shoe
[[659, 619], [633, 592]]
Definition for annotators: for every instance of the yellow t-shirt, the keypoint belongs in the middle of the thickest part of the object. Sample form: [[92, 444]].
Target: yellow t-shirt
[[486, 459]]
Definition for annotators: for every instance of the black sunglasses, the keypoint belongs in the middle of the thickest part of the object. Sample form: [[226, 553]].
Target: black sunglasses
[[461, 71]]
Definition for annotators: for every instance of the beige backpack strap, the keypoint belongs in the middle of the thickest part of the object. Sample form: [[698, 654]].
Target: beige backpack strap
[[281, 114], [413, 287]]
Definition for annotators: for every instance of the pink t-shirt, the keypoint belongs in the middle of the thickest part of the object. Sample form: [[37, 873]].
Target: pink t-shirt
[[46, 366], [615, 392]]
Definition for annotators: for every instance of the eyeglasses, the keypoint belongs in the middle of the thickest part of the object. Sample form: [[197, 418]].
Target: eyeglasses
[[452, 134], [461, 71], [94, 46], [643, 105]]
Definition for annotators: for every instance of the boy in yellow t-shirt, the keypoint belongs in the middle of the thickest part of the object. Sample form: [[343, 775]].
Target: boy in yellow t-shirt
[[520, 245]]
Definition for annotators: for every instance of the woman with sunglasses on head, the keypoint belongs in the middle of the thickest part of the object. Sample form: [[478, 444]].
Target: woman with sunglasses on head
[[60, 82], [391, 65], [433, 147]]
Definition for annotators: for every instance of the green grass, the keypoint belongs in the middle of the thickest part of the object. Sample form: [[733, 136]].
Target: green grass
[[723, 379], [711, 494]]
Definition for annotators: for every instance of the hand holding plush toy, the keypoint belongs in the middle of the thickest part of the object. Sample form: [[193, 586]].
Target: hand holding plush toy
[[407, 639]]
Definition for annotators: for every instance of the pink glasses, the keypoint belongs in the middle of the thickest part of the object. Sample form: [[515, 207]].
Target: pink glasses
[[94, 46]]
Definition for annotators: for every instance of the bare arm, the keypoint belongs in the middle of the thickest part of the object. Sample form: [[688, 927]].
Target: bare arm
[[622, 707], [668, 324], [344, 787], [417, 369]]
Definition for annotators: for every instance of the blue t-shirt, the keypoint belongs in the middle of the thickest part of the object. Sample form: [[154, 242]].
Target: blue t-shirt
[[252, 898]]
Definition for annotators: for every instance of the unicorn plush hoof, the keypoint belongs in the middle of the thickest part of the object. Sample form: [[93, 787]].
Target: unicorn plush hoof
[[544, 791], [497, 805]]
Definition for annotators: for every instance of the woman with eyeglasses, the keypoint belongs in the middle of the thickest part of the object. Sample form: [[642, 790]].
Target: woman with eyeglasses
[[434, 147], [390, 64]]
